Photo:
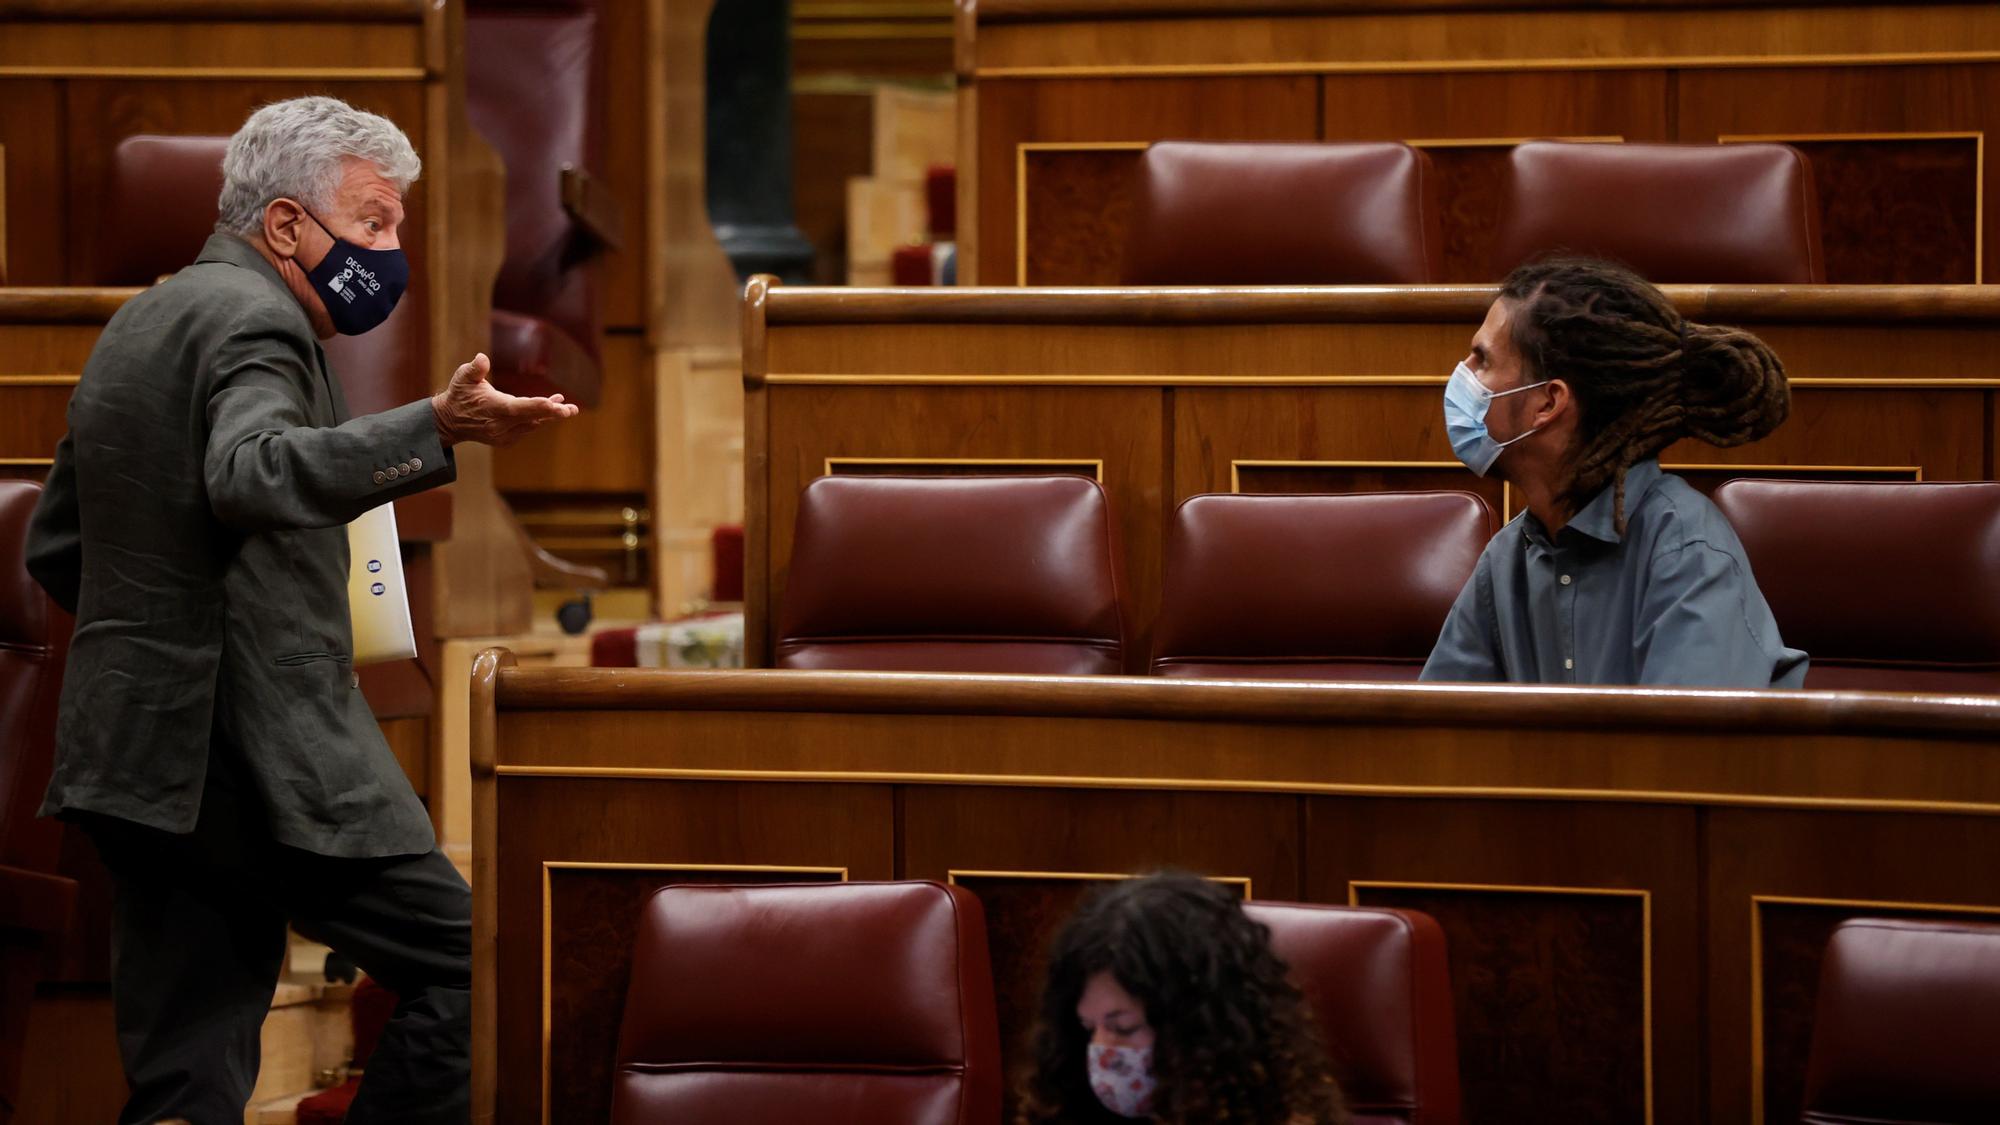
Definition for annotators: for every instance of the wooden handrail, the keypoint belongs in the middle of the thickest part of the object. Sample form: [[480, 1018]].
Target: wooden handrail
[[1789, 304], [1053, 11], [80, 305], [256, 11], [1138, 697]]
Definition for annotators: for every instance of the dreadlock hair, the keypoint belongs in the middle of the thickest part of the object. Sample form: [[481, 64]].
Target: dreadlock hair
[[1233, 1039], [1643, 376]]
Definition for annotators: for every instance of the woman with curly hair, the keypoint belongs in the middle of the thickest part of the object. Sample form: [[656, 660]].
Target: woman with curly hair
[[1165, 1002], [1616, 573]]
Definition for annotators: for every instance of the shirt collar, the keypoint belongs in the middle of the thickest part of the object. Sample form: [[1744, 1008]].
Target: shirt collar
[[1597, 518]]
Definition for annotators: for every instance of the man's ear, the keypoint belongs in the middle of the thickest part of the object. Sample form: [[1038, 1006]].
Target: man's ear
[[1560, 400], [284, 222]]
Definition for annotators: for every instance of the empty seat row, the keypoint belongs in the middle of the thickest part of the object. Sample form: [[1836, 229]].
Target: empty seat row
[[1887, 585], [1350, 214], [874, 1002], [885, 1012]]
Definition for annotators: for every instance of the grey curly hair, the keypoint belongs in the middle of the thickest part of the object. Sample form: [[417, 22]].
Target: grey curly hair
[[293, 149]]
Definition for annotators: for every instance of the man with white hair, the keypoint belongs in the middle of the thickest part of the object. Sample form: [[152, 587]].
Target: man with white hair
[[213, 740]]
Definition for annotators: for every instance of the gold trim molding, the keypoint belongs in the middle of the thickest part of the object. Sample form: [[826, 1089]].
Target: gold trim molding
[[953, 875], [1757, 902], [1977, 136], [1095, 464], [1645, 897]]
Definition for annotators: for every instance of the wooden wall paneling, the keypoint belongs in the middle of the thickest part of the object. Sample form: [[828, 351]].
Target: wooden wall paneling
[[832, 143], [623, 160], [1119, 427], [588, 907], [184, 44], [607, 449], [1219, 41], [1317, 439], [1058, 845], [1892, 192], [1126, 110], [1778, 883], [1943, 433], [33, 192], [1569, 1006], [1468, 123]]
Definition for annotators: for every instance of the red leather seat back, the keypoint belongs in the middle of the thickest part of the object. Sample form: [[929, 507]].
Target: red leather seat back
[[160, 201], [34, 642], [836, 1003], [1704, 214], [1379, 982], [1352, 587], [532, 74], [1285, 214], [1906, 1028], [1888, 586], [953, 574]]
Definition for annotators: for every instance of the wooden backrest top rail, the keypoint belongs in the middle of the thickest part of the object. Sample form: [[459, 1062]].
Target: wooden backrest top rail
[[779, 305], [77, 305], [1050, 11], [1278, 702], [162, 11]]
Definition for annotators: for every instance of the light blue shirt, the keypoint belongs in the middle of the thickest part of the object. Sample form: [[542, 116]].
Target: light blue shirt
[[1671, 601]]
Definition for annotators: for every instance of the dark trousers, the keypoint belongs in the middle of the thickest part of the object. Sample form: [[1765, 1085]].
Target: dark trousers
[[198, 941]]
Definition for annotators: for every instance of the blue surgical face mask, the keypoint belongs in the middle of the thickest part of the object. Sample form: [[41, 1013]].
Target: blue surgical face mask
[[1466, 400], [358, 286]]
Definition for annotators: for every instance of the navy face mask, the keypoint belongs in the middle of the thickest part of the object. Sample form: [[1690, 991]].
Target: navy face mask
[[359, 287]]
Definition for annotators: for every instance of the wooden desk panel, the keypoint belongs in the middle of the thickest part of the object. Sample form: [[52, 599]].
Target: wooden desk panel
[[1592, 854], [1891, 100], [1174, 393]]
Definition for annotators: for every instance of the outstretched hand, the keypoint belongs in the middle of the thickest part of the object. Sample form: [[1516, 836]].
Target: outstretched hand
[[472, 409]]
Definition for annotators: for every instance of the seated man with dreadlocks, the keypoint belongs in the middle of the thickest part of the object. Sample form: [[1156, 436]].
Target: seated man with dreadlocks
[[1616, 573]]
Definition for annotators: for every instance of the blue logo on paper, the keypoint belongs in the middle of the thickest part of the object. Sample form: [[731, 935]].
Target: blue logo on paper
[[374, 566], [377, 589]]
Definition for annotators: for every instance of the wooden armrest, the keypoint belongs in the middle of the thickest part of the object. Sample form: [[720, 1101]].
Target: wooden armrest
[[589, 201], [35, 902]]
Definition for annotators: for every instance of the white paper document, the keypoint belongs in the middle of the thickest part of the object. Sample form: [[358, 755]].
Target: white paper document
[[378, 604]]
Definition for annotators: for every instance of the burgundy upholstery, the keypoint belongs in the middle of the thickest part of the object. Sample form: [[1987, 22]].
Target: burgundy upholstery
[[953, 574], [1380, 985], [35, 903], [1352, 587], [1705, 214], [532, 74], [1285, 214], [34, 643], [159, 207], [834, 1003], [1906, 1028], [1889, 586]]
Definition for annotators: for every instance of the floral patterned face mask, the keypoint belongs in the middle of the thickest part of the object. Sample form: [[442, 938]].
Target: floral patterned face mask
[[1122, 1078]]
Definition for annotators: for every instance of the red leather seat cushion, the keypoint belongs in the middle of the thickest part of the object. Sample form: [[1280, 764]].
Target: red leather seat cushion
[[1284, 214], [1889, 586], [964, 574], [1906, 1025], [1379, 983], [1314, 587], [847, 1002], [1703, 214]]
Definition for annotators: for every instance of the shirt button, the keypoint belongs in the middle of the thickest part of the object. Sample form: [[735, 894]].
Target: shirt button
[[1565, 579], [1568, 664], [381, 477]]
